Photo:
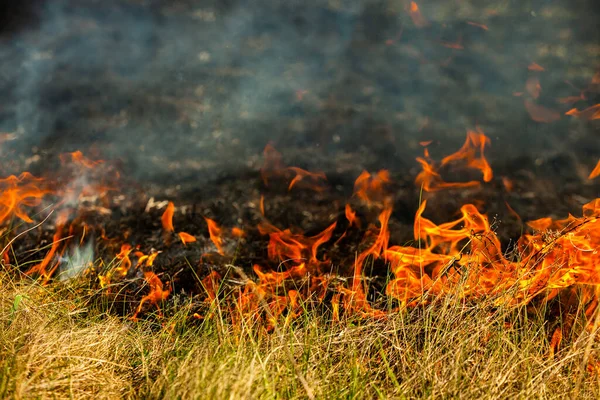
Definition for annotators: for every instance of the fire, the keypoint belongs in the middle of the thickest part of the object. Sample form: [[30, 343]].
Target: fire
[[186, 237], [167, 224], [19, 192], [214, 232], [461, 258], [595, 172], [273, 167], [589, 113], [471, 154], [167, 217], [157, 293], [371, 188]]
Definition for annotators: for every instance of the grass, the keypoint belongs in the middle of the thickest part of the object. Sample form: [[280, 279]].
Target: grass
[[57, 343]]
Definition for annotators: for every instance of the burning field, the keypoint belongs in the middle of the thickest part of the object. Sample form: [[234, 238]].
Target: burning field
[[323, 199]]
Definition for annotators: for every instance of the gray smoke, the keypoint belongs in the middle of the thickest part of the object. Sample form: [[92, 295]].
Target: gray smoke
[[188, 89]]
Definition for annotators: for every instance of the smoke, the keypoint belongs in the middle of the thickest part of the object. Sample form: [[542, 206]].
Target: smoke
[[182, 90]]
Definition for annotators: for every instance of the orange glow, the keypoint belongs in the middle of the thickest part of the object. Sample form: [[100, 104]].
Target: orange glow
[[532, 86], [508, 184], [535, 67], [214, 231], [211, 285], [595, 172], [589, 113], [237, 232], [315, 179], [78, 158], [273, 167], [416, 16], [478, 25], [540, 113], [426, 143], [262, 205]]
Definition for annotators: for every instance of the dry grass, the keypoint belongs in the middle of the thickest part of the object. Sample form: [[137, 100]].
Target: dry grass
[[54, 344]]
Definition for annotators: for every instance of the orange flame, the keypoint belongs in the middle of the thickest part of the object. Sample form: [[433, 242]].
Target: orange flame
[[186, 237], [595, 172], [156, 296], [214, 231], [273, 166], [19, 192], [589, 113], [471, 153], [167, 217], [371, 188]]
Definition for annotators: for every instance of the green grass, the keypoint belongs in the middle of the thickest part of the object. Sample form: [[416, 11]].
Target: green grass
[[56, 342]]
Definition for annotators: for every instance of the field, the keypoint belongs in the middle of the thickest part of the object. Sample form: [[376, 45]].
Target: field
[[56, 343]]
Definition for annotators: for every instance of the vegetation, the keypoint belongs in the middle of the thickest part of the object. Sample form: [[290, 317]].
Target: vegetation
[[58, 341]]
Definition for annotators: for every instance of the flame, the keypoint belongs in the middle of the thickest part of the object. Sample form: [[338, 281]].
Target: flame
[[157, 293], [48, 266], [237, 232], [351, 216], [274, 167], [79, 159], [371, 188], [595, 172], [214, 231], [16, 193], [303, 175], [589, 113], [186, 237], [471, 154], [167, 217], [548, 264]]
